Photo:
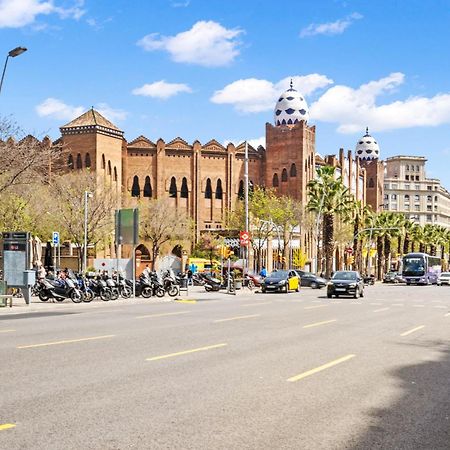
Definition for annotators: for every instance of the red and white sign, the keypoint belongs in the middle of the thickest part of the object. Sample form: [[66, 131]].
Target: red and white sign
[[244, 238], [349, 250]]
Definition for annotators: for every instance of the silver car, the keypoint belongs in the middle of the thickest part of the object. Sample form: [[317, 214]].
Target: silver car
[[444, 278]]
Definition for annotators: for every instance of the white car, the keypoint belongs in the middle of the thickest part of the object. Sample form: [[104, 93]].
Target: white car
[[444, 278]]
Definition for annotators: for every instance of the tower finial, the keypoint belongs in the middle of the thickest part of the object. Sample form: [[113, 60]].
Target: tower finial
[[367, 131], [291, 84]]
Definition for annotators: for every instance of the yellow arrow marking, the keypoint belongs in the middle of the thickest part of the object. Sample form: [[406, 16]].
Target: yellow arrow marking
[[6, 426]]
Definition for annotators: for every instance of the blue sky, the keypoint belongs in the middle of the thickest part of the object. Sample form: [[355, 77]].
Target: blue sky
[[204, 69]]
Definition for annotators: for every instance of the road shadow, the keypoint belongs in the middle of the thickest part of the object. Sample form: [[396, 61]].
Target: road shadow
[[420, 419]]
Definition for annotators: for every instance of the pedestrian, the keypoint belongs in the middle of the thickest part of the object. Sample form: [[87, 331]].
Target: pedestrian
[[263, 272], [41, 272], [190, 280]]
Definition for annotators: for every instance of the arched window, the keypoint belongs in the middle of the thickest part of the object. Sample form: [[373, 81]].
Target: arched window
[[251, 187], [293, 172], [109, 168], [407, 166], [79, 162], [219, 191], [208, 189], [70, 162], [275, 182], [371, 183], [135, 189], [115, 174], [87, 160], [103, 162], [284, 176], [241, 190], [173, 188], [184, 192], [147, 187]]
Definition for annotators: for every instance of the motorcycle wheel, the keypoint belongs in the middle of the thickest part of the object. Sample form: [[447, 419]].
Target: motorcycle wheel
[[42, 296], [88, 296], [114, 294], [208, 288], [126, 293], [105, 295], [160, 292], [173, 291], [147, 292], [76, 297]]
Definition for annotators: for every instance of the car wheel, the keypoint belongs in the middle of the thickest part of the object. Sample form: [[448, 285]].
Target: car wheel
[[336, 295], [356, 293], [263, 290], [313, 285]]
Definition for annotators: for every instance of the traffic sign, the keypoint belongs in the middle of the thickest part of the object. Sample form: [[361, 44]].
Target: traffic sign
[[55, 238], [244, 238], [349, 250]]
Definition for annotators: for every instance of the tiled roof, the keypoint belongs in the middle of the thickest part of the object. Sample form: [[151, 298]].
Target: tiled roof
[[91, 118]]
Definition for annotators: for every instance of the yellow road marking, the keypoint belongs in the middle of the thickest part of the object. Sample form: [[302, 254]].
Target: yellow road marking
[[257, 304], [6, 426], [320, 368], [413, 330], [6, 331], [185, 301], [381, 309], [319, 323], [237, 318], [201, 349], [313, 307], [163, 314], [70, 341]]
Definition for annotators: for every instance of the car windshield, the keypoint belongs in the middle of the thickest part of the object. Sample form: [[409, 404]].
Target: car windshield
[[445, 275], [279, 274], [413, 266], [344, 276]]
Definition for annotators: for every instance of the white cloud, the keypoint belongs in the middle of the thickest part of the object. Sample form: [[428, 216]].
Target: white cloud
[[207, 43], [330, 28], [56, 109], [19, 13], [110, 113], [161, 89], [253, 95], [353, 109]]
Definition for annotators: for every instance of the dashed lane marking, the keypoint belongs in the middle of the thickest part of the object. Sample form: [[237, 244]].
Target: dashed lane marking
[[440, 307], [381, 309], [406, 333], [69, 341], [314, 307], [320, 368], [375, 304], [398, 304], [185, 352], [418, 306], [237, 318], [6, 331], [257, 304], [180, 300], [163, 314], [6, 426], [317, 324], [446, 315]]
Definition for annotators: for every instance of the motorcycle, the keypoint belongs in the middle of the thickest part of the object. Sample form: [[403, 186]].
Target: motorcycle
[[170, 284], [100, 289], [60, 290], [211, 283]]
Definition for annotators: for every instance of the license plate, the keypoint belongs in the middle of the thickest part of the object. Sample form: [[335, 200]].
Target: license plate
[[340, 289]]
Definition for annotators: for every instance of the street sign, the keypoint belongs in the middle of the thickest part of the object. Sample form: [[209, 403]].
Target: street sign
[[244, 238], [55, 238], [349, 250]]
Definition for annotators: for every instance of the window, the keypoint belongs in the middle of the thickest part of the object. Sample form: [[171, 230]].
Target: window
[[109, 168], [406, 197], [407, 207], [293, 172], [184, 192], [412, 168], [241, 192], [70, 162], [386, 186], [208, 189], [429, 217], [386, 196], [407, 187], [429, 198], [79, 162], [417, 177], [115, 174], [148, 187], [394, 186], [407, 177], [87, 160], [429, 208], [173, 188], [435, 198], [394, 196], [219, 191], [417, 198], [416, 207], [371, 183], [417, 168], [103, 162], [135, 189], [275, 182], [284, 176], [407, 166], [417, 187], [429, 188], [394, 207]]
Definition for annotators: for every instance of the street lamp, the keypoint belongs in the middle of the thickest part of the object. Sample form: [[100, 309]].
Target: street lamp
[[87, 195], [11, 54]]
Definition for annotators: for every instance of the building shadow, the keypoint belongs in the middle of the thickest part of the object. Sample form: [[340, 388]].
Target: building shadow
[[420, 418]]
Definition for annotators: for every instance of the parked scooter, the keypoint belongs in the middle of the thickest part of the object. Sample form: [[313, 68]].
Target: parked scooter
[[60, 290], [170, 284]]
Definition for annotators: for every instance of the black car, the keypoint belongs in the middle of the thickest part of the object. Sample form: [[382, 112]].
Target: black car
[[311, 280], [346, 282]]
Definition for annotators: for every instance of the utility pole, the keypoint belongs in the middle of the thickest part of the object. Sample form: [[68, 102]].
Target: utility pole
[[87, 195], [247, 219]]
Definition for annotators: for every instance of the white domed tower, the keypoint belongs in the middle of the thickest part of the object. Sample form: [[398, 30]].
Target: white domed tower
[[367, 147], [291, 108]]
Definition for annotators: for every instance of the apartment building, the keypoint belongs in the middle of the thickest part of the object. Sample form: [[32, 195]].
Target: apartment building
[[408, 190]]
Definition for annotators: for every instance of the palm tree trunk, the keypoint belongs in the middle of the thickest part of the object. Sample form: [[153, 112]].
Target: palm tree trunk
[[387, 252], [406, 244], [422, 247], [355, 244], [328, 240], [380, 258]]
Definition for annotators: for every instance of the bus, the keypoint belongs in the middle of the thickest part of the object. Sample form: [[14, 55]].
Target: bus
[[421, 268]]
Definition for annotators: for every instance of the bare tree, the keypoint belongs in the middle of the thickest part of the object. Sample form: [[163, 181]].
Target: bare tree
[[160, 223], [23, 159]]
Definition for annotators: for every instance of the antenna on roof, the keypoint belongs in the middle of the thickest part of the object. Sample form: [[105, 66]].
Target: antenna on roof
[[367, 131], [291, 84]]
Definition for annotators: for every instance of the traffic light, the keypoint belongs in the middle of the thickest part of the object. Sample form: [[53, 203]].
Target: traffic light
[[225, 252], [350, 260]]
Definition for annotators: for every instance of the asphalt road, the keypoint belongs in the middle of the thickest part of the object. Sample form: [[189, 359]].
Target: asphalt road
[[253, 371]]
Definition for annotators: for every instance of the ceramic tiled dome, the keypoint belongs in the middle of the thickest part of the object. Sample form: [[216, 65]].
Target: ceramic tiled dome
[[367, 147], [291, 108]]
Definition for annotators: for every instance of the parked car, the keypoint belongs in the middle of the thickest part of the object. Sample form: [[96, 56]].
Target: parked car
[[308, 279], [392, 277], [281, 281], [444, 278], [346, 282]]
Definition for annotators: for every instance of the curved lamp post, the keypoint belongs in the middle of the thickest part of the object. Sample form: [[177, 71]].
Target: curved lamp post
[[11, 54]]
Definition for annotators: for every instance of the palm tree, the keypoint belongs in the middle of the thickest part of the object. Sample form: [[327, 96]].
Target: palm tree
[[407, 235], [358, 215], [328, 196]]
